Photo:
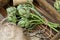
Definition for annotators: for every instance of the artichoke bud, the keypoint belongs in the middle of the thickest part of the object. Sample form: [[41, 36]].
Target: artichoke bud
[[11, 10], [24, 22], [57, 4], [12, 19], [23, 12]]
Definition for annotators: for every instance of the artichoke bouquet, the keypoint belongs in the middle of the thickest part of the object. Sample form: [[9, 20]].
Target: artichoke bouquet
[[26, 16]]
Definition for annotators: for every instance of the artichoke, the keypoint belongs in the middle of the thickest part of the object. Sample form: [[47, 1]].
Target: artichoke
[[57, 5], [23, 13], [24, 22], [11, 10], [12, 19], [11, 14], [24, 10]]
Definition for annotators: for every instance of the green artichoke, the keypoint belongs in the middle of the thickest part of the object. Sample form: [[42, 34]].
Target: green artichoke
[[57, 5], [24, 10], [12, 19], [11, 10], [11, 14], [24, 22]]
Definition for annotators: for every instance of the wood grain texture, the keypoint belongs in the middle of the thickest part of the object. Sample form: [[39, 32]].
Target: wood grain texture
[[3, 2], [50, 8]]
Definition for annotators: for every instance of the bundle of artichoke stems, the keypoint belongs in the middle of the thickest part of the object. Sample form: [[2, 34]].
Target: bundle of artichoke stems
[[26, 16]]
